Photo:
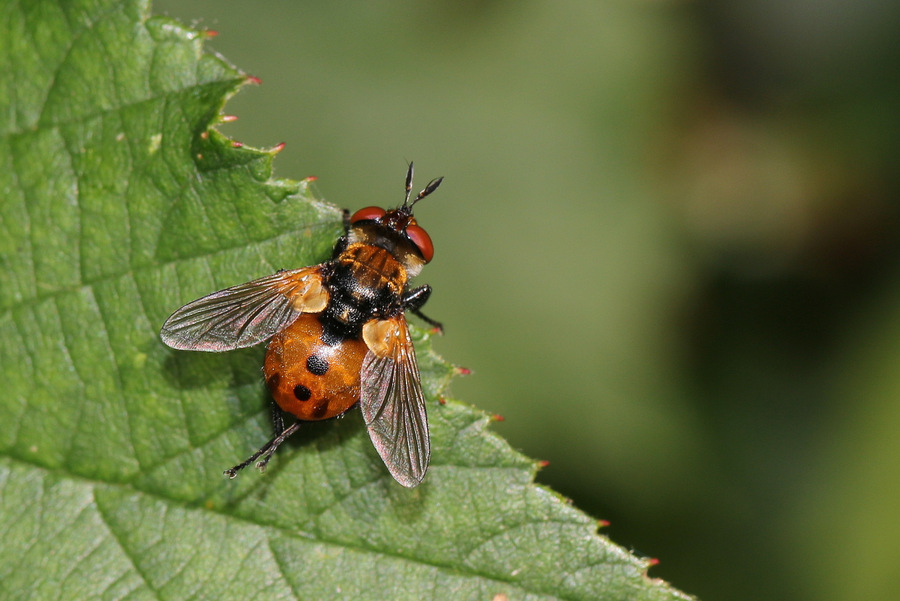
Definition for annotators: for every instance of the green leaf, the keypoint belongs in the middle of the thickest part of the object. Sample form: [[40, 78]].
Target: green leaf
[[119, 204]]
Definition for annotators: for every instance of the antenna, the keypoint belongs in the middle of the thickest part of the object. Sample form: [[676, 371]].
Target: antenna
[[409, 178], [431, 187]]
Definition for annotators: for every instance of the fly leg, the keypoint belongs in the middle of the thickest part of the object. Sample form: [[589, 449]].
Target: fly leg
[[341, 244], [277, 418], [268, 449], [413, 300]]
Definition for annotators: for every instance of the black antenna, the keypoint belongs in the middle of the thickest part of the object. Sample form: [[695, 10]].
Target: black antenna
[[409, 178], [431, 187]]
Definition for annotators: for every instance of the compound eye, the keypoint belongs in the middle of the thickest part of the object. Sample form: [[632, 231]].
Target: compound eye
[[367, 213], [422, 240]]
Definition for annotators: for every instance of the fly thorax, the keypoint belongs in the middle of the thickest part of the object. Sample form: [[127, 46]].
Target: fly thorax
[[398, 245]]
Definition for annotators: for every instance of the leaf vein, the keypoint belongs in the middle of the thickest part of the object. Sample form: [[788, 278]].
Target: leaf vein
[[104, 518]]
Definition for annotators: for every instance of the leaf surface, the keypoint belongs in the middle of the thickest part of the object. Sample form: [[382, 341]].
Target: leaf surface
[[121, 202]]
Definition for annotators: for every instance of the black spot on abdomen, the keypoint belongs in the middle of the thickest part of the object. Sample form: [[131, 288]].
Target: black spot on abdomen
[[273, 381], [302, 392], [320, 409], [317, 365]]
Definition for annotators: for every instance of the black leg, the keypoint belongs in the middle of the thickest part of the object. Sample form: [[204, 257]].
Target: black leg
[[434, 324], [413, 300], [266, 451], [277, 418], [341, 244]]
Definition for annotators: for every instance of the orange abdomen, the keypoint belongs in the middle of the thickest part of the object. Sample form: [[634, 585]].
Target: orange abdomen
[[309, 378]]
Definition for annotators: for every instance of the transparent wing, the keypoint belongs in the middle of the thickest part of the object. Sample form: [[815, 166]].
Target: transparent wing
[[392, 402], [246, 314]]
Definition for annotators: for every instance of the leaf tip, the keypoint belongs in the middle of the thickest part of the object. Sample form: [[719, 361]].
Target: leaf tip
[[253, 79], [228, 118], [277, 148], [497, 418], [649, 562]]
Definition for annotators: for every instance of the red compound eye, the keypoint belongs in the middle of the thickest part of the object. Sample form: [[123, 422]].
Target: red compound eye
[[367, 213], [422, 240]]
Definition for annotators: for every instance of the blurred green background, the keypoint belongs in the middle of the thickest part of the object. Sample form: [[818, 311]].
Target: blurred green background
[[666, 245]]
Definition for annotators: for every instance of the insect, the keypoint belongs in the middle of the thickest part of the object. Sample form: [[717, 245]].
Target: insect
[[338, 334]]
